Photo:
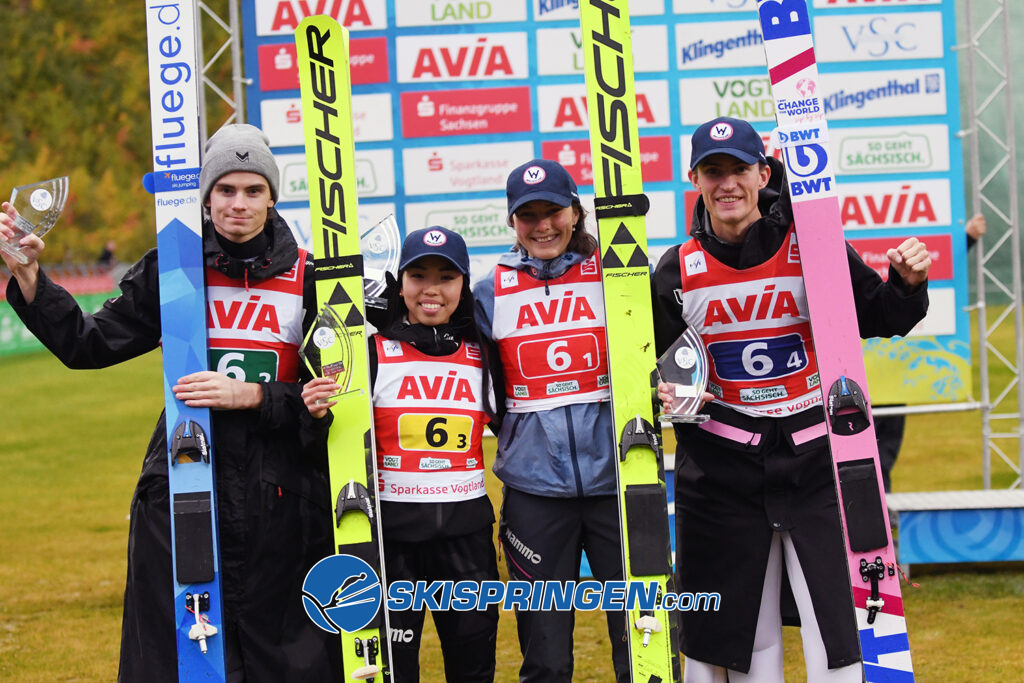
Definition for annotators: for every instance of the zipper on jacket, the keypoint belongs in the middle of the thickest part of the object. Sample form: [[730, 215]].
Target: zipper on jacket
[[571, 433]]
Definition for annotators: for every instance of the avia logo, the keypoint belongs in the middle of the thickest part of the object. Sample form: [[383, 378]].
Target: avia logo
[[904, 208], [289, 13], [255, 316], [878, 37], [341, 593], [480, 61], [567, 308], [444, 388], [767, 305], [572, 111]]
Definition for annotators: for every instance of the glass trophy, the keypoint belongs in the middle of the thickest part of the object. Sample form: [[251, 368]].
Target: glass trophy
[[380, 246], [39, 206], [327, 349], [685, 364]]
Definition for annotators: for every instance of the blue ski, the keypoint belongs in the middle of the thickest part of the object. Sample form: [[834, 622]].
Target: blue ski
[[173, 91]]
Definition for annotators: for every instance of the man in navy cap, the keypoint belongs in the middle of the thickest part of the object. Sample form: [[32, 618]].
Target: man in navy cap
[[754, 484]]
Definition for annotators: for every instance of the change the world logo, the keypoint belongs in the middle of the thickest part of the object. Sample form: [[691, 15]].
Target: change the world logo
[[341, 593]]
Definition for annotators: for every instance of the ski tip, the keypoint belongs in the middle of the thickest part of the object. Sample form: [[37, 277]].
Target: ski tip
[[149, 183]]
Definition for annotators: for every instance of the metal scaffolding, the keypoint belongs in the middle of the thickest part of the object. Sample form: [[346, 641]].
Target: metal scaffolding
[[217, 79], [993, 176]]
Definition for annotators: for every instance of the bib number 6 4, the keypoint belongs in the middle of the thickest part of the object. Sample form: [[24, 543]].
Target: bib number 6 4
[[759, 359]]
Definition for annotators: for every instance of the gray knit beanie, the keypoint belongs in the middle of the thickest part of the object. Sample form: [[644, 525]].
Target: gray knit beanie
[[238, 147]]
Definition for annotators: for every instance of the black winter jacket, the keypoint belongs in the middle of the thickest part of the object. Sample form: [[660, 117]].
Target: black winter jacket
[[272, 492]]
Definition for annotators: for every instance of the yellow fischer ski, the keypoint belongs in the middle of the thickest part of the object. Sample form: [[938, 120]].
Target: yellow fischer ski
[[620, 206], [324, 78]]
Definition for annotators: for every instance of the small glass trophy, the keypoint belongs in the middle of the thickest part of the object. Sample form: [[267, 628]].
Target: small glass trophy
[[39, 206], [327, 349], [380, 246], [685, 364]]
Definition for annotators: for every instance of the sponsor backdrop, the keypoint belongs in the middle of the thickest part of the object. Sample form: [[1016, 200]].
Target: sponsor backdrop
[[449, 96]]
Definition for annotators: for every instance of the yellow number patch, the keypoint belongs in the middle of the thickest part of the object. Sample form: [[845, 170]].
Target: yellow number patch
[[445, 433]]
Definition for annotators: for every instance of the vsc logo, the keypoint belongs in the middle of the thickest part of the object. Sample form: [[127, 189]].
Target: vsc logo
[[341, 593]]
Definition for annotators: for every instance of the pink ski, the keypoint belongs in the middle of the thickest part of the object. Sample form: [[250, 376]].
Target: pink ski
[[803, 135]]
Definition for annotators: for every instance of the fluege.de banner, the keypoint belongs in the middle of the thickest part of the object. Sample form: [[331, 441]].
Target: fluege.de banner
[[448, 97]]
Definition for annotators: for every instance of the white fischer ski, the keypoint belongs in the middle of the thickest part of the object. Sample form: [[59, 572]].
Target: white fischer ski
[[802, 134]]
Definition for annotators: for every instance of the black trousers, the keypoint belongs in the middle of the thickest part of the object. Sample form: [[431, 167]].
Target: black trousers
[[729, 503], [543, 539], [468, 639]]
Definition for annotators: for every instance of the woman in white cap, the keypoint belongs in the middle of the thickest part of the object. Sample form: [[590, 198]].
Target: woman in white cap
[[432, 397], [272, 496], [542, 311]]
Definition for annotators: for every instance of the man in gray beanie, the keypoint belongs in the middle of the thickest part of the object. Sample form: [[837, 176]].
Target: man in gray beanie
[[272, 495], [237, 147]]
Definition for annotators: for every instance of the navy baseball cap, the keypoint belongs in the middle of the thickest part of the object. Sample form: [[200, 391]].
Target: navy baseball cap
[[435, 241], [540, 179], [726, 135]]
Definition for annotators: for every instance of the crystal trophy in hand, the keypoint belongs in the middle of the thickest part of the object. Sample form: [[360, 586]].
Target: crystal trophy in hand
[[380, 247], [685, 365], [39, 206], [327, 349]]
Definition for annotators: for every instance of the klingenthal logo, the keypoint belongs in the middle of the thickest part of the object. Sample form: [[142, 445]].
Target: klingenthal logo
[[341, 593]]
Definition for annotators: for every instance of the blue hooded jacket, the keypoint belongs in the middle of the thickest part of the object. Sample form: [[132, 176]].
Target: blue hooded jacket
[[562, 452]]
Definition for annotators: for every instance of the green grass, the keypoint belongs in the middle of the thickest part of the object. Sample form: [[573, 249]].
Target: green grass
[[71, 448]]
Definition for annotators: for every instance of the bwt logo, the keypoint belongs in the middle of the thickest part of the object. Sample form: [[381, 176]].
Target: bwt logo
[[342, 593]]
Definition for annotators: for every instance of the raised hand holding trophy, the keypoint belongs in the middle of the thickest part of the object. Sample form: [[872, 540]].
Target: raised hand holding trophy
[[685, 365], [38, 206]]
